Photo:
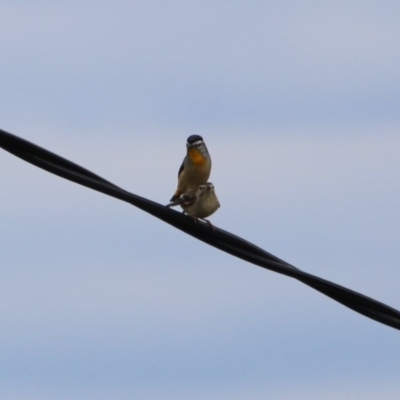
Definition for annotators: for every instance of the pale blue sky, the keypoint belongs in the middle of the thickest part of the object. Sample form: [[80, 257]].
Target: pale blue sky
[[298, 104]]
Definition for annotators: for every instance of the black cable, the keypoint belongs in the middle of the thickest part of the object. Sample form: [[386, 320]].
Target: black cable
[[218, 238]]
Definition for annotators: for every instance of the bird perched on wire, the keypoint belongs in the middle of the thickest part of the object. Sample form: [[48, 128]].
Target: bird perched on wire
[[196, 167], [199, 204]]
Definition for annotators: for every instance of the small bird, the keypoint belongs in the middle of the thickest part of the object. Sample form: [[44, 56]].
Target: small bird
[[199, 204], [196, 167]]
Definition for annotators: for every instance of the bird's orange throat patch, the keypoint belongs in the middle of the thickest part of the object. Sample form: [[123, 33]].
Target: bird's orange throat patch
[[196, 157]]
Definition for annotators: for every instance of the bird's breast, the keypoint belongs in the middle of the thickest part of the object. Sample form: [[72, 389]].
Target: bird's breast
[[196, 157]]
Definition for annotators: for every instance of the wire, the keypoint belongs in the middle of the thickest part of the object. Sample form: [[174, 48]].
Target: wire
[[218, 238]]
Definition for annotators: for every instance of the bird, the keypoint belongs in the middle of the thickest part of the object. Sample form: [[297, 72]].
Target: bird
[[199, 204], [195, 169]]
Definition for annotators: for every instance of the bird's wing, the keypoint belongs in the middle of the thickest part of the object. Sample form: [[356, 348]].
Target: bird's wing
[[184, 200], [181, 168]]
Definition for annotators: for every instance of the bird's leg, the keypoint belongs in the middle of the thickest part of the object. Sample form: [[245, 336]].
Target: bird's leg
[[194, 218], [209, 224]]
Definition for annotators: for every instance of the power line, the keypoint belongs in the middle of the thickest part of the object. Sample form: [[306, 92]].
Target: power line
[[218, 238]]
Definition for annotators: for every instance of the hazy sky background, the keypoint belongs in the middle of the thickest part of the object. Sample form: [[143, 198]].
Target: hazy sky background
[[298, 103]]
